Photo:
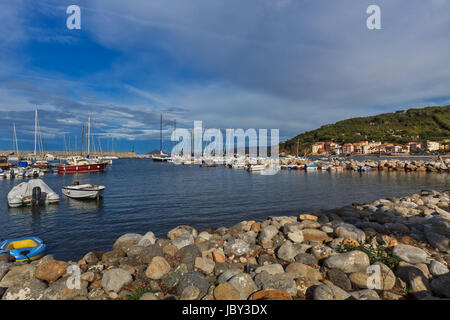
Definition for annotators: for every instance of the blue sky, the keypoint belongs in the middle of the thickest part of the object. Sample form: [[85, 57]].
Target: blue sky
[[275, 64]]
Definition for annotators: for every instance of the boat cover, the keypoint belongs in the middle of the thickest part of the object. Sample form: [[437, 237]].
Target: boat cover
[[25, 189]]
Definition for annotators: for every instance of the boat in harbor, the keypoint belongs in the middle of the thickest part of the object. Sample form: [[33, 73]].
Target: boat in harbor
[[83, 191], [23, 249], [32, 193], [4, 164], [255, 167]]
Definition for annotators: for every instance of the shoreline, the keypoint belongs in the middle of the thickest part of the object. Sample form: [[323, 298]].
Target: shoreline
[[322, 256]]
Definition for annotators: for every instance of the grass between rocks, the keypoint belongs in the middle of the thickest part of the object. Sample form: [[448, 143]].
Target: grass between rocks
[[376, 253], [138, 293]]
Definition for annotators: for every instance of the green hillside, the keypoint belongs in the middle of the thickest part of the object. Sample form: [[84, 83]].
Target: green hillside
[[430, 123]]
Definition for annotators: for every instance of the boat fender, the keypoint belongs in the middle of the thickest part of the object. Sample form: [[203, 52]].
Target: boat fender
[[36, 196]]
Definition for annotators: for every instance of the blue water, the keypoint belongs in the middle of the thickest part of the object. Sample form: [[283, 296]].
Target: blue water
[[142, 196]]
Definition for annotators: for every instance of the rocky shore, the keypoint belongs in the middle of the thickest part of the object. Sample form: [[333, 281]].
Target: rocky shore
[[380, 165], [323, 255]]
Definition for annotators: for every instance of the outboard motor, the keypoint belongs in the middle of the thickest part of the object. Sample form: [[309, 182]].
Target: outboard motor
[[35, 174], [76, 183], [36, 196], [12, 173]]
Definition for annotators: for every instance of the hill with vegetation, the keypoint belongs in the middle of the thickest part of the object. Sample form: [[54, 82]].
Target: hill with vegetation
[[420, 125]]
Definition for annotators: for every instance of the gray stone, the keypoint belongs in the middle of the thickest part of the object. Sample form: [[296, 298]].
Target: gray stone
[[149, 296], [174, 276], [126, 241], [340, 279], [305, 258], [115, 279], [329, 292], [4, 257], [195, 279], [287, 251], [18, 274], [190, 293], [135, 251], [437, 269], [27, 290], [414, 278], [438, 241], [296, 236], [441, 286], [180, 230], [409, 253], [228, 274], [183, 240], [148, 239], [366, 294], [149, 252], [346, 230], [299, 270], [188, 254], [244, 283], [284, 282], [349, 262], [61, 291], [271, 269], [4, 268]]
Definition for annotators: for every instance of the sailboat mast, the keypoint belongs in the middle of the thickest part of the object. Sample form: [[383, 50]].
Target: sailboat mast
[[89, 136], [82, 140], [35, 130], [160, 135], [16, 143]]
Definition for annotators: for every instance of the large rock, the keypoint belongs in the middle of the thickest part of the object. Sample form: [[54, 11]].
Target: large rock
[[126, 241], [414, 278], [226, 291], [27, 290], [149, 252], [195, 279], [349, 262], [437, 268], [237, 247], [183, 240], [346, 230], [314, 235], [329, 292], [60, 290], [271, 269], [180, 230], [204, 264], [284, 282], [148, 239], [158, 268], [243, 283], [18, 274], [340, 279], [364, 280], [51, 270], [299, 270], [438, 241], [296, 236], [4, 268], [228, 274], [409, 254], [115, 279], [174, 276], [287, 251], [366, 294]]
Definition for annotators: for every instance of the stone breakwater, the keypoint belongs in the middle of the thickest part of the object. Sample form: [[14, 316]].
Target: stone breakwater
[[382, 165], [324, 255]]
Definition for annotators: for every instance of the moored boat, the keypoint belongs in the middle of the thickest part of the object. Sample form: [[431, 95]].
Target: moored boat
[[83, 191], [31, 193], [79, 164]]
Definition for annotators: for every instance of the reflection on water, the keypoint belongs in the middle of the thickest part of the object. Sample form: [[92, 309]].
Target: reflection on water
[[36, 211], [84, 205]]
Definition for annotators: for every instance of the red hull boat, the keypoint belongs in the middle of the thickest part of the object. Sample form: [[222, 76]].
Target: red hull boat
[[98, 167]]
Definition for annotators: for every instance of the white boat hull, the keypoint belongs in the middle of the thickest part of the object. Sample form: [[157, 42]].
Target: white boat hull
[[87, 193]]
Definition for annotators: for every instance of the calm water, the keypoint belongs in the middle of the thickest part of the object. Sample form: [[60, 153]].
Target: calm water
[[142, 196]]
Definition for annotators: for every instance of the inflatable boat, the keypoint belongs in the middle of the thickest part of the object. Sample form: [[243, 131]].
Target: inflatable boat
[[23, 249]]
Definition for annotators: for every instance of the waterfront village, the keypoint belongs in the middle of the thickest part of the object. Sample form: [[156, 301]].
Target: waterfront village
[[376, 147]]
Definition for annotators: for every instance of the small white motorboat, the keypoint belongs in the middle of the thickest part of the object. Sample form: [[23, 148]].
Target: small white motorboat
[[31, 193], [83, 191]]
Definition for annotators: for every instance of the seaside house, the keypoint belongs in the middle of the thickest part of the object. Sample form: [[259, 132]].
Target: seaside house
[[347, 148], [433, 146]]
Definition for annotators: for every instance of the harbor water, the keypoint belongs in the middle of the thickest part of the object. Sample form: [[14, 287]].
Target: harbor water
[[143, 196]]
